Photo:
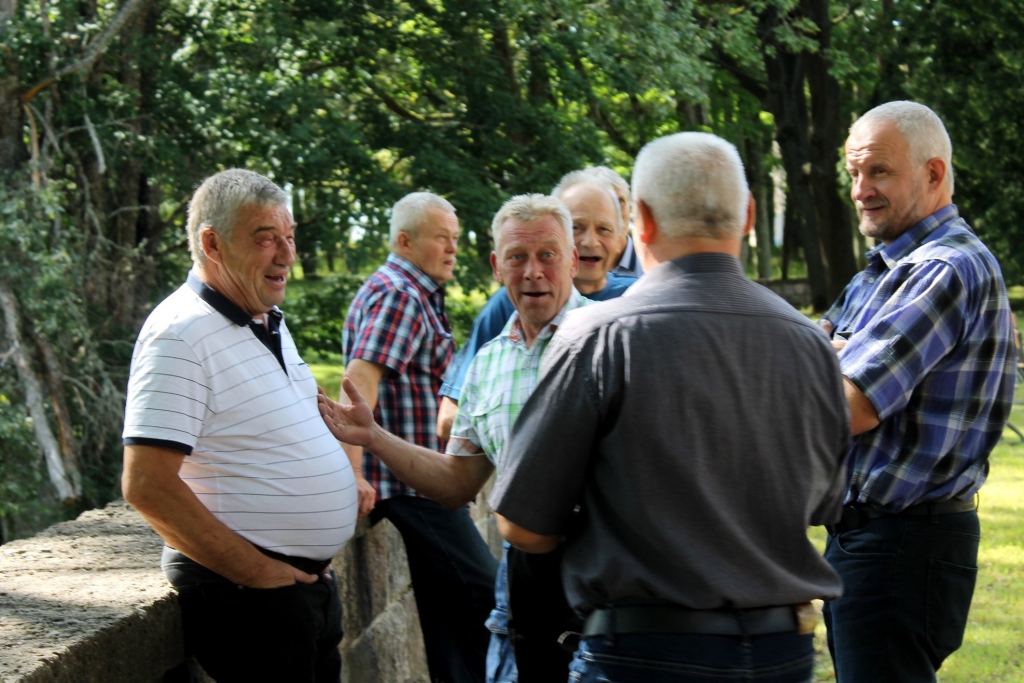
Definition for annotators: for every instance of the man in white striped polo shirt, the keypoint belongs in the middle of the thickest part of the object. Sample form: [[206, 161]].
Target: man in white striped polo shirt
[[226, 454]]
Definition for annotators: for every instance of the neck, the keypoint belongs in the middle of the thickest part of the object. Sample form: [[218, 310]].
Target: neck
[[211, 274], [663, 250], [591, 287]]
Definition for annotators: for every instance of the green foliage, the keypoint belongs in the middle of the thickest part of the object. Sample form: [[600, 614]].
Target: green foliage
[[315, 313]]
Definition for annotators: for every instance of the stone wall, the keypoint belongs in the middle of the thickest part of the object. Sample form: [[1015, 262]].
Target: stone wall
[[85, 601]]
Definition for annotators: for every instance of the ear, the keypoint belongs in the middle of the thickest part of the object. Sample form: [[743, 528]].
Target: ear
[[646, 228], [403, 241], [937, 171], [494, 268], [575, 262], [751, 215], [210, 243]]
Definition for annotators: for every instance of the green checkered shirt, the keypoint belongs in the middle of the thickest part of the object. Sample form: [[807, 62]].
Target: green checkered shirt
[[501, 377]]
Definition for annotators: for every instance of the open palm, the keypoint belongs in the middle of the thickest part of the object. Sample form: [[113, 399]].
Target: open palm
[[352, 423]]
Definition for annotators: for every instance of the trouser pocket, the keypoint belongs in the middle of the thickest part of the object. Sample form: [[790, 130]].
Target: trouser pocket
[[950, 588]]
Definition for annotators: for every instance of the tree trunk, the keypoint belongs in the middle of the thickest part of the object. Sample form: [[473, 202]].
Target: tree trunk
[[828, 133], [758, 180], [788, 103], [59, 477]]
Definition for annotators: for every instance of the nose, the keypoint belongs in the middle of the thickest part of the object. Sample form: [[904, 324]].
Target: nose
[[585, 238], [533, 269], [451, 245], [861, 188], [285, 251]]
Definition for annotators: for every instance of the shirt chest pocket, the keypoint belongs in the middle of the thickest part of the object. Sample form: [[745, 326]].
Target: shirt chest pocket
[[492, 421]]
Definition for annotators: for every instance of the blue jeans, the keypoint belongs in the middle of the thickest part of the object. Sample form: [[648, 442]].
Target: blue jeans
[[453, 574], [501, 660], [908, 583], [694, 658]]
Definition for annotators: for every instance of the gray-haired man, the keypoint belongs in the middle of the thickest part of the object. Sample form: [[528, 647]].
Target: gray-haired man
[[398, 344], [251, 507], [699, 423]]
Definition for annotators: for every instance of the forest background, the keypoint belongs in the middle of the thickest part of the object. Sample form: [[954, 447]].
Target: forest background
[[112, 112]]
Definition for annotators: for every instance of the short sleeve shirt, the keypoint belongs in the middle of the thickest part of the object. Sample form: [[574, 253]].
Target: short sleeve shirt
[[397, 319], [699, 422], [259, 455], [500, 378], [930, 344]]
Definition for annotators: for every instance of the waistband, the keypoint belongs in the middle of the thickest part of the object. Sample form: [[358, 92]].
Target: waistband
[[721, 622], [856, 515], [183, 570], [314, 567]]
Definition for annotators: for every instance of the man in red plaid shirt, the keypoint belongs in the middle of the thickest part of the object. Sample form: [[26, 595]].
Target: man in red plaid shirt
[[398, 344]]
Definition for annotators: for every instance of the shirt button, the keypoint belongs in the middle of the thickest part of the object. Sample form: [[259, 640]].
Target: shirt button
[[871, 279]]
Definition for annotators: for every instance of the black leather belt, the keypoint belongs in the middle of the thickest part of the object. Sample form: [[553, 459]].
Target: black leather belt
[[314, 567], [857, 515], [672, 619]]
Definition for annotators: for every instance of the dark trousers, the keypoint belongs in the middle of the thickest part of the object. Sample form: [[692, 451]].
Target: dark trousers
[[538, 614], [248, 634], [694, 658], [453, 574], [908, 583]]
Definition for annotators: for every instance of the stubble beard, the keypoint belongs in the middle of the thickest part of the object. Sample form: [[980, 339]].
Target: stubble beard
[[897, 223]]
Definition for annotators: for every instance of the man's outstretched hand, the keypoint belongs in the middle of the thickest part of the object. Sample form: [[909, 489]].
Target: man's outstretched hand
[[352, 423]]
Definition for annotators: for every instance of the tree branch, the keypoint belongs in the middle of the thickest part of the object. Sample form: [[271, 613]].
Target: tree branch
[[34, 398], [129, 9]]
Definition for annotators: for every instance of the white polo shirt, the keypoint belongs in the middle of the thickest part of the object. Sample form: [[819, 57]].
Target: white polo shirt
[[259, 455]]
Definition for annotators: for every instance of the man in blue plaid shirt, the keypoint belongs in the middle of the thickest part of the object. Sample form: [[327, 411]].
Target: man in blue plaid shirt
[[925, 346]]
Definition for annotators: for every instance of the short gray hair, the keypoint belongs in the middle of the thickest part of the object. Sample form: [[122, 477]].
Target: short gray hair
[[921, 128], [587, 177], [617, 181], [409, 213], [217, 201], [530, 207], [694, 185]]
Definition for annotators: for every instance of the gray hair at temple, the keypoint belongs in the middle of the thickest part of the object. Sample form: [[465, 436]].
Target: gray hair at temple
[[530, 207], [921, 128], [408, 213], [215, 205], [694, 185], [620, 185], [587, 177]]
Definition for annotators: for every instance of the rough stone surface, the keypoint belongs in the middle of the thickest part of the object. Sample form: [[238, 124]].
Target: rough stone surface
[[85, 601]]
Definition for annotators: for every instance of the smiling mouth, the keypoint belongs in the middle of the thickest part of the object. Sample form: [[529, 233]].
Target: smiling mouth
[[590, 260], [277, 279], [535, 295]]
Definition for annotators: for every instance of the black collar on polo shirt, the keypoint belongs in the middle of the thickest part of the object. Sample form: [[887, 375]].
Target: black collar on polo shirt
[[269, 334]]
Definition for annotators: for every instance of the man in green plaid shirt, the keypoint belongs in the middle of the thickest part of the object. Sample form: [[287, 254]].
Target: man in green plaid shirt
[[536, 260]]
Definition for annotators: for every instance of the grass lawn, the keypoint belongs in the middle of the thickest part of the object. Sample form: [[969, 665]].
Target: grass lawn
[[993, 649]]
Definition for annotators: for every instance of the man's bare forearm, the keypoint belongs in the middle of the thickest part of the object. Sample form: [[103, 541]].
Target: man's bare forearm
[[451, 480], [152, 486]]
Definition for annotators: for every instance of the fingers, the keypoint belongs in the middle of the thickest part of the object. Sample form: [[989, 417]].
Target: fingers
[[826, 325], [302, 577], [350, 390], [838, 344]]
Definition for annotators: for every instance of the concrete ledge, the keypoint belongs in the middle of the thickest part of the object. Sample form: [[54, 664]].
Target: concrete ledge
[[85, 601]]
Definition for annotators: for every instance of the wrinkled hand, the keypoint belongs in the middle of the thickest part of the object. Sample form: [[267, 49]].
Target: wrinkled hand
[[352, 423], [446, 411], [367, 495], [827, 326]]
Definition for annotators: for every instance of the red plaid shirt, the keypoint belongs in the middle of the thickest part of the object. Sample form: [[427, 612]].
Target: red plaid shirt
[[397, 319]]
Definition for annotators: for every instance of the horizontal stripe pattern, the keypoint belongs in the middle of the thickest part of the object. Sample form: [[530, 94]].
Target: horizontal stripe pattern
[[263, 460]]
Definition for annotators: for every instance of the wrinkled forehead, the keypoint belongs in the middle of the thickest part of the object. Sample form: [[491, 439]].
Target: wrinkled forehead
[[876, 138], [545, 231]]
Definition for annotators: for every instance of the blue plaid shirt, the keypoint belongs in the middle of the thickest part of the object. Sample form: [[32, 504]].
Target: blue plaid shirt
[[931, 346]]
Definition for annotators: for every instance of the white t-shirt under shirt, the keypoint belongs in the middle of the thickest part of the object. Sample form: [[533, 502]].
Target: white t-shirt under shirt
[[262, 460]]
